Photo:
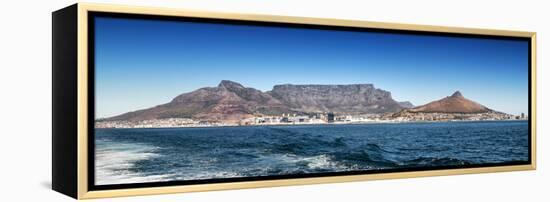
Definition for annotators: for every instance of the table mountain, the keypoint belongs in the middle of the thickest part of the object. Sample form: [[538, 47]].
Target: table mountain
[[349, 99]]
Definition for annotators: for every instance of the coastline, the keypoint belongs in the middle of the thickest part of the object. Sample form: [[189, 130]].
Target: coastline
[[318, 124]]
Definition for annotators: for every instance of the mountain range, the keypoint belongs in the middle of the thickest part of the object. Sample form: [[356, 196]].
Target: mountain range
[[231, 101]]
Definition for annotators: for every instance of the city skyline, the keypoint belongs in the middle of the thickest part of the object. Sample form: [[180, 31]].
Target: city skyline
[[144, 63]]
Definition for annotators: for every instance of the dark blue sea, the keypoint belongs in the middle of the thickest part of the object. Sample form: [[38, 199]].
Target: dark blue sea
[[154, 155]]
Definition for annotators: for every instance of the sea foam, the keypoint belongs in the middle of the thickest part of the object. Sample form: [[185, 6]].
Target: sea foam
[[114, 161]]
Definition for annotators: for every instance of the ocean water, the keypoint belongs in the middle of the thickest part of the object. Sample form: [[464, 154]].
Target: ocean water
[[155, 155]]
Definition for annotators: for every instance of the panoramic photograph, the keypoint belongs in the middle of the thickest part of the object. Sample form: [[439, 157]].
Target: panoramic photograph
[[186, 100]]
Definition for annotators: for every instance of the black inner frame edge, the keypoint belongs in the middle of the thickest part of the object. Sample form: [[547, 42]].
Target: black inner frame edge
[[91, 98]]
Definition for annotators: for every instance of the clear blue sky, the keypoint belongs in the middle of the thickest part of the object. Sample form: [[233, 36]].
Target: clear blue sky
[[144, 63]]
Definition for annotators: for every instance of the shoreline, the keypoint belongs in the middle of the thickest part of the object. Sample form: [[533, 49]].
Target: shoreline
[[320, 124]]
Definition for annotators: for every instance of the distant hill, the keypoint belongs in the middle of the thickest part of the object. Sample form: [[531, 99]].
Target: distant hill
[[406, 104], [456, 103], [231, 101]]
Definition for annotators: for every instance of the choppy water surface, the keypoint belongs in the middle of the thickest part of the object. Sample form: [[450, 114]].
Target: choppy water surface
[[153, 155]]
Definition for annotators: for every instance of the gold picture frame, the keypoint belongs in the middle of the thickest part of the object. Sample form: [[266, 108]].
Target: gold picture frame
[[77, 186]]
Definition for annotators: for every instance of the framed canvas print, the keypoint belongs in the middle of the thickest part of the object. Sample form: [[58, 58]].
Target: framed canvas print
[[152, 101]]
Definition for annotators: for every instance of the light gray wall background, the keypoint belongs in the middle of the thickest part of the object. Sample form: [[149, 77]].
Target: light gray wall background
[[25, 100]]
